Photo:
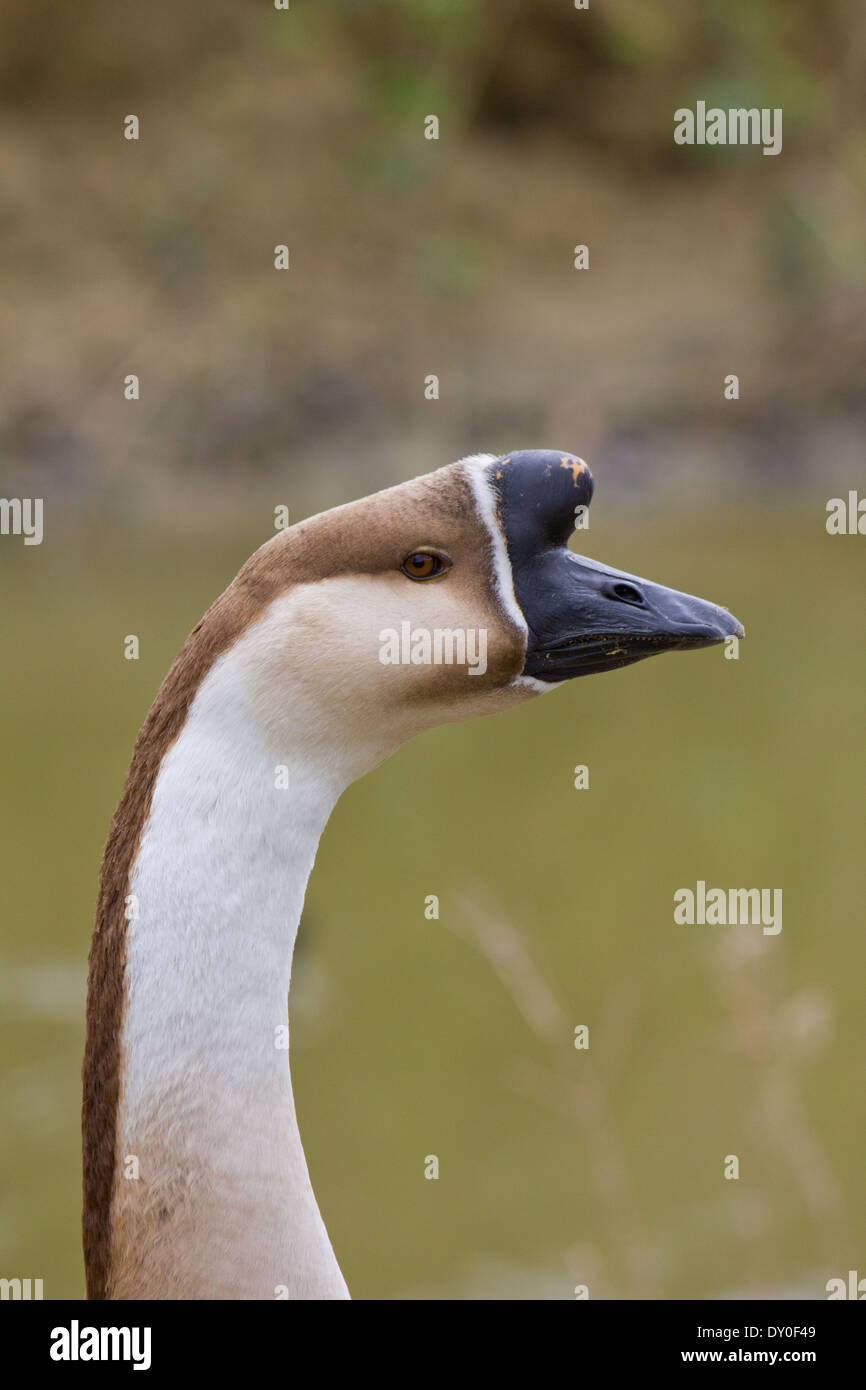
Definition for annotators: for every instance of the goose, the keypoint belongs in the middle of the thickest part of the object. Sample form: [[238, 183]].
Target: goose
[[195, 1180]]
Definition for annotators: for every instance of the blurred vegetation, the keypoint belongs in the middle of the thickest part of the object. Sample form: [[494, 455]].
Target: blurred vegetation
[[412, 257]]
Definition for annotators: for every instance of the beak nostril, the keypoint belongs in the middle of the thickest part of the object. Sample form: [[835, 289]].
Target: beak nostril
[[626, 593]]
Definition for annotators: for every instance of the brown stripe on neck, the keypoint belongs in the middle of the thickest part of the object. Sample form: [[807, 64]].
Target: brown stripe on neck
[[266, 574], [358, 537]]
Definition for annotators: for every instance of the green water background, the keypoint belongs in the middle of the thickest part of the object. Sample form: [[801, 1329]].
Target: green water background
[[557, 1166]]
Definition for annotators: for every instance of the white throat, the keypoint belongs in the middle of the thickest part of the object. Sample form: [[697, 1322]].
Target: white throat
[[212, 1197], [223, 1206]]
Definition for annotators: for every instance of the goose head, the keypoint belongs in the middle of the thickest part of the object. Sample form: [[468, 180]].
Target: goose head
[[448, 596]]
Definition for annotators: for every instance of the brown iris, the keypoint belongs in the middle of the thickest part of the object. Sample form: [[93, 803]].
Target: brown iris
[[426, 563]]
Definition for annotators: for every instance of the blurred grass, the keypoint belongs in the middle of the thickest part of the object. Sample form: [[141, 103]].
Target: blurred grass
[[404, 1041], [411, 256]]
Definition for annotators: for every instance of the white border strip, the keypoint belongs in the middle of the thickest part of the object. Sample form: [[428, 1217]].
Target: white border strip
[[475, 466]]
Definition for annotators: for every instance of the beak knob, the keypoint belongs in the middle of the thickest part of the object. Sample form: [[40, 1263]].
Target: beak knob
[[539, 491]]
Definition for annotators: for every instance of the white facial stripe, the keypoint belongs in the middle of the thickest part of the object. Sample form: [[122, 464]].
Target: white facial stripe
[[485, 496]]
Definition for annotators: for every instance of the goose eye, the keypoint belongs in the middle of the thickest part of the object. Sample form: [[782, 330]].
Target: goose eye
[[426, 564]]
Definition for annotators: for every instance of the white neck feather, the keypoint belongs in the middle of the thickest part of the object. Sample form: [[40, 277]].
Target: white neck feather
[[227, 1209], [223, 1207]]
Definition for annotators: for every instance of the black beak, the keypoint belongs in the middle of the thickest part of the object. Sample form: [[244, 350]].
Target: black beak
[[583, 617]]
